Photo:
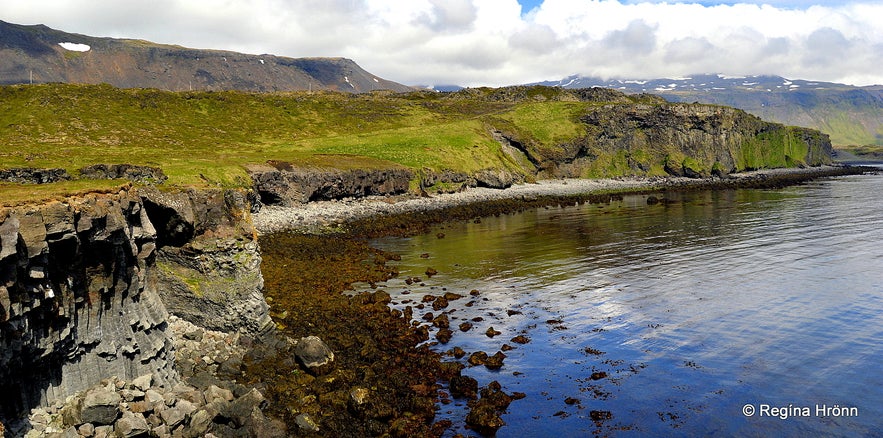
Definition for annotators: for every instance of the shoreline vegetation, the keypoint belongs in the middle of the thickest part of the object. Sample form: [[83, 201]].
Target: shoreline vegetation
[[375, 215]]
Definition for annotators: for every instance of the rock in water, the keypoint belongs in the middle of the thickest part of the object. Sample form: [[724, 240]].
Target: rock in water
[[484, 419], [312, 352]]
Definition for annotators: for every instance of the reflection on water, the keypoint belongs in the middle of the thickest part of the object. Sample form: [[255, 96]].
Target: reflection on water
[[693, 307]]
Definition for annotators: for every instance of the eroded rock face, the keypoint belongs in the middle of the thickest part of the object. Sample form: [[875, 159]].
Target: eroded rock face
[[87, 285], [216, 284], [714, 138], [691, 140], [208, 259], [283, 184], [78, 300]]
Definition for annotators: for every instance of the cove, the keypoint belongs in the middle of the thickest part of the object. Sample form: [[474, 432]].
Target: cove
[[667, 317]]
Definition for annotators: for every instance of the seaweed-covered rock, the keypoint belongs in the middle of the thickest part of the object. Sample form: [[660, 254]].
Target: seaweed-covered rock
[[312, 352]]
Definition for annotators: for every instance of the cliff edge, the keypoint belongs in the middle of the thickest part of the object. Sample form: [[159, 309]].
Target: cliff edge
[[89, 284]]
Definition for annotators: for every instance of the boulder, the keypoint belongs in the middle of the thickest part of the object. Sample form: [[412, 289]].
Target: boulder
[[178, 413], [312, 352], [464, 386], [484, 419], [496, 179], [131, 425], [214, 393], [143, 383], [100, 406], [242, 409]]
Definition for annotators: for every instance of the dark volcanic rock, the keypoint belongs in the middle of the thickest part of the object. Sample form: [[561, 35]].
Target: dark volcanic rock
[[30, 175], [464, 386], [280, 183], [100, 406], [495, 361], [478, 358], [484, 416], [80, 302], [124, 171]]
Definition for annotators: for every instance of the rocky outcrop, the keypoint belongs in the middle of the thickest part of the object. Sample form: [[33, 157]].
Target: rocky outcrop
[[78, 299], [88, 285], [655, 138], [693, 140], [447, 181], [141, 174], [208, 260], [281, 183], [30, 175]]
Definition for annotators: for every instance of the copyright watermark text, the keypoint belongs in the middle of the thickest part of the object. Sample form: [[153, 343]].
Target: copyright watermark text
[[790, 411]]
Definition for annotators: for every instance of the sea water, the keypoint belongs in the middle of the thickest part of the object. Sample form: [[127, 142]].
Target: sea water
[[737, 312]]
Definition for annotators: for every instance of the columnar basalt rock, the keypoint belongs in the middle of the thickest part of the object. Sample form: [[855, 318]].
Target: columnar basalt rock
[[78, 299], [87, 286], [208, 260]]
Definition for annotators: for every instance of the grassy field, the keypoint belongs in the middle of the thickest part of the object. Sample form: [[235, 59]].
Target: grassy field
[[205, 139]]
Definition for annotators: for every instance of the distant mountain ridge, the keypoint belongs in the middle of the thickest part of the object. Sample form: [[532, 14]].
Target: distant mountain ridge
[[850, 115], [40, 54]]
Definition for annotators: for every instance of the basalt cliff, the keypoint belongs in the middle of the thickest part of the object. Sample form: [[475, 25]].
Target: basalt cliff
[[89, 285]]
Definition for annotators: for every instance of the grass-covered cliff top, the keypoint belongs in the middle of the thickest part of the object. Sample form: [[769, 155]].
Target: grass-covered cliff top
[[205, 139]]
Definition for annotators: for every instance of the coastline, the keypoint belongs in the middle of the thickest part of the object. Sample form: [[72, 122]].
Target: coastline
[[319, 217]]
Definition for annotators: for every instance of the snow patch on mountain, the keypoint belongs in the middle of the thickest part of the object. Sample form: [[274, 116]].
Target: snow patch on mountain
[[74, 47]]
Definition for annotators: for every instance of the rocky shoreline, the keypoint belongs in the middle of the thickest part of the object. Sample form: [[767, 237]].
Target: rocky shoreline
[[207, 402], [242, 381], [378, 348], [320, 217]]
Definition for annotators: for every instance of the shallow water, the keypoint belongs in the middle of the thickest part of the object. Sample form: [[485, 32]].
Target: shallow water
[[694, 308]]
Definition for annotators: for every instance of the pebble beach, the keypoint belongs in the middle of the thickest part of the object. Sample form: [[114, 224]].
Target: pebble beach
[[314, 217]]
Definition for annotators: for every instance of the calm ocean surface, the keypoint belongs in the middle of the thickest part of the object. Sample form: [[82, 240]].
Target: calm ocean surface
[[694, 309]]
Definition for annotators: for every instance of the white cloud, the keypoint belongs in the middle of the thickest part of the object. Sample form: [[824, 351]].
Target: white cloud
[[489, 42]]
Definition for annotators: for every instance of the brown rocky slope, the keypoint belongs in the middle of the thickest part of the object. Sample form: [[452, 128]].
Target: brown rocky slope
[[35, 54]]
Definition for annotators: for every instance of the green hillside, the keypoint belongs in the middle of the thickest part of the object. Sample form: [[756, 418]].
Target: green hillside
[[204, 139]]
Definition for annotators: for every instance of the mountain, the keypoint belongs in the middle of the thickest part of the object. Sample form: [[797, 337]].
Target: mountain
[[850, 115], [39, 54]]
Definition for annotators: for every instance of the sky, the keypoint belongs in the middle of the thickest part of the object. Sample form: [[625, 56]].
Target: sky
[[506, 42]]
